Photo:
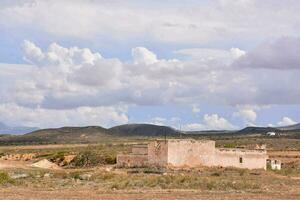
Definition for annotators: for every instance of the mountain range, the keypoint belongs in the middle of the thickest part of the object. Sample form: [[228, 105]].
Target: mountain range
[[290, 127], [90, 134]]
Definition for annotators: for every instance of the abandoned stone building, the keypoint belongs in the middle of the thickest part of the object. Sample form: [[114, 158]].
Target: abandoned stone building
[[191, 153]]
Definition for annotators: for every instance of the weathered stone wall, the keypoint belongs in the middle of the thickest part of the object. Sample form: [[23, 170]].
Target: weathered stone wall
[[140, 149], [158, 153], [132, 160], [241, 158], [190, 153]]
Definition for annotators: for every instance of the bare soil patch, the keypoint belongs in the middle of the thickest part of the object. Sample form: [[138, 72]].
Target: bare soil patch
[[33, 194], [45, 164]]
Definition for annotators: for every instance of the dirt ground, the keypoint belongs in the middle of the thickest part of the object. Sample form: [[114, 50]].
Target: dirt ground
[[279, 186], [49, 146], [10, 164], [90, 194]]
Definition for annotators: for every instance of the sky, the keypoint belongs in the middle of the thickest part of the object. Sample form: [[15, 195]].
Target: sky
[[192, 65]]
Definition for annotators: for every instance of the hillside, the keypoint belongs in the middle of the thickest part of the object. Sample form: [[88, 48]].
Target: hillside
[[256, 130], [209, 132], [60, 135], [143, 130], [92, 134], [89, 134], [290, 128]]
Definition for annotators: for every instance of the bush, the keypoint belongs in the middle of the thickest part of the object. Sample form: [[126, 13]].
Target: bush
[[75, 175], [216, 174], [57, 157], [5, 179], [91, 158]]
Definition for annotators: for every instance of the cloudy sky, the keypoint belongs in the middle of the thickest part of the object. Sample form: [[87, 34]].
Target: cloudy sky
[[194, 65]]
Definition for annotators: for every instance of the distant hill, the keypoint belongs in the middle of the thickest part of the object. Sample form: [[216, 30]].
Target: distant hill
[[143, 130], [5, 129], [209, 132], [60, 135], [92, 134], [256, 130], [290, 128], [89, 134]]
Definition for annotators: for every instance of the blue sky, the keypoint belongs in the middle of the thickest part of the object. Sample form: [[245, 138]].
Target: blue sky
[[194, 65]]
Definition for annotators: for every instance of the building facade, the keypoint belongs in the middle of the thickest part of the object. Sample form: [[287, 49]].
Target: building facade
[[191, 153]]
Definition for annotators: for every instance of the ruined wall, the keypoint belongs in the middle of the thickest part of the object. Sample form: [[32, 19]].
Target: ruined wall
[[132, 160], [241, 158], [137, 158], [190, 153], [140, 149], [158, 153]]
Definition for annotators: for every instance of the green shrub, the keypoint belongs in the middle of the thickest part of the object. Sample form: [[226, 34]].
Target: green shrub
[[5, 179], [90, 158], [216, 174], [75, 175]]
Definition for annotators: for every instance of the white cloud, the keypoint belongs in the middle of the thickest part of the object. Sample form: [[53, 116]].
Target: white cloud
[[80, 116], [142, 55], [69, 78], [160, 121], [66, 77], [32, 52], [280, 54], [237, 53], [211, 122], [247, 113], [194, 127], [215, 122], [286, 121], [191, 22]]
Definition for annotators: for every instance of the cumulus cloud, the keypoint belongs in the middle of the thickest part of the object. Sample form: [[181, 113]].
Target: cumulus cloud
[[196, 23], [247, 113], [210, 54], [160, 121], [194, 127], [281, 54], [80, 116], [71, 74], [32, 53], [215, 122], [286, 121], [62, 78], [142, 55], [211, 122]]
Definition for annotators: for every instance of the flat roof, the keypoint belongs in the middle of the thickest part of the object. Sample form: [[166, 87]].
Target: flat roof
[[184, 139]]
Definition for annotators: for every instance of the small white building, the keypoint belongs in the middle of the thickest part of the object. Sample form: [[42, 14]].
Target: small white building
[[274, 164], [271, 134]]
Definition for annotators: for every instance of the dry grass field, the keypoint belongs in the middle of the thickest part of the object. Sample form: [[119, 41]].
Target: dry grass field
[[92, 175]]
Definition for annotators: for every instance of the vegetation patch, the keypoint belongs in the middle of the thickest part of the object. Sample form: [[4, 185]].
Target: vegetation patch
[[94, 156], [5, 179]]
